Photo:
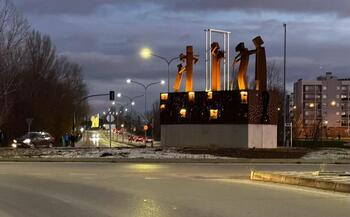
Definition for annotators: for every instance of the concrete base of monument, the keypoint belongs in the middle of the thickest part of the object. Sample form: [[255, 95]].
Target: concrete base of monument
[[219, 135]]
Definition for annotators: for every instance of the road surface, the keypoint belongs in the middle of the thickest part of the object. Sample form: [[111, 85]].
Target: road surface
[[99, 138], [158, 190]]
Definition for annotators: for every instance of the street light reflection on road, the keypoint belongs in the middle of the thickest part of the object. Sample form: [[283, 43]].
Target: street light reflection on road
[[149, 208], [144, 167], [95, 139]]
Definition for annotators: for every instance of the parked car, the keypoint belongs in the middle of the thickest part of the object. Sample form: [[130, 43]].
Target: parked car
[[34, 140], [139, 139], [131, 138]]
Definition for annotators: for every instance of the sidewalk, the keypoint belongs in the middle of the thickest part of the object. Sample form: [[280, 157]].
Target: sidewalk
[[330, 181]]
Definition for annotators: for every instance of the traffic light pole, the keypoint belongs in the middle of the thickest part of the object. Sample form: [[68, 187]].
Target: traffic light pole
[[82, 100]]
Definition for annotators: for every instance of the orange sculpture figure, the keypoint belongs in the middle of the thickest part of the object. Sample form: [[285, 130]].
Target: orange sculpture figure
[[243, 58], [260, 64], [216, 56], [180, 71], [190, 59]]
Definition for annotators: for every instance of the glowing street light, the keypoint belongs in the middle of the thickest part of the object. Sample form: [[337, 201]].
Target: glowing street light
[[333, 103], [147, 53], [312, 105]]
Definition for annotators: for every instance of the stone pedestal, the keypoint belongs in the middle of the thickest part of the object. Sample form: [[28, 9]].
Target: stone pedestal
[[229, 119]]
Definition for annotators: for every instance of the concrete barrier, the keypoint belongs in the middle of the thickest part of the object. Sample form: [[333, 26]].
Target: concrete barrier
[[328, 185]]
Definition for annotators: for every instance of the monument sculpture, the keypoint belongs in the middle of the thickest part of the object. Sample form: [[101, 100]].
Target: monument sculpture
[[216, 56], [242, 58], [190, 59], [260, 64], [242, 117]]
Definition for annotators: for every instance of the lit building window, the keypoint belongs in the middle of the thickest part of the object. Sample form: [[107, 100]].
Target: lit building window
[[191, 96], [324, 87], [244, 97], [162, 106], [337, 113], [213, 114], [210, 94], [337, 96], [183, 113], [164, 96], [338, 88], [324, 96]]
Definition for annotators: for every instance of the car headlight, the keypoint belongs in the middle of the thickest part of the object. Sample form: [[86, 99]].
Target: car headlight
[[26, 141], [14, 145], [14, 141]]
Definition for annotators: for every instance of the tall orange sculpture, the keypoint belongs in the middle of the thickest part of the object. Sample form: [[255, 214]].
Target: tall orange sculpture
[[243, 58], [216, 56], [190, 59], [260, 64], [180, 71]]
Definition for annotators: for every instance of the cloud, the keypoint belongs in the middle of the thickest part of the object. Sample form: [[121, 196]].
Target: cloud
[[340, 7], [105, 36]]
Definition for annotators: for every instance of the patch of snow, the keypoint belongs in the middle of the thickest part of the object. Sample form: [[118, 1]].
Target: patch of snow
[[329, 154], [120, 153]]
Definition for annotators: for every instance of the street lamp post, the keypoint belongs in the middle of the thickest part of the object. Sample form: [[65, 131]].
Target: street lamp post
[[117, 112], [146, 53], [145, 87], [284, 83], [131, 103]]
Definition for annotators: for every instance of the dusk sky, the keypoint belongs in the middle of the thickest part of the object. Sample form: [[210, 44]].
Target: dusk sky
[[105, 36]]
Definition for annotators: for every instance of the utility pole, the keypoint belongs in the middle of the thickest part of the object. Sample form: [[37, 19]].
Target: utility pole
[[284, 84]]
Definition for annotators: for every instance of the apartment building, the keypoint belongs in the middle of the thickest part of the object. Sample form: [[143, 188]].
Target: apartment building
[[324, 102]]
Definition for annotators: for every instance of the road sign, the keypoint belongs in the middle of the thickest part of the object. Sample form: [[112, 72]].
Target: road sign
[[29, 120], [110, 118]]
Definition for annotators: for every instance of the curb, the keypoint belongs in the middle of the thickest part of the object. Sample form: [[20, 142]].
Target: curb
[[175, 160], [300, 181]]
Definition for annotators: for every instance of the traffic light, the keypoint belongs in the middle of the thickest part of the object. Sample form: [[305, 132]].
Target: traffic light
[[111, 95]]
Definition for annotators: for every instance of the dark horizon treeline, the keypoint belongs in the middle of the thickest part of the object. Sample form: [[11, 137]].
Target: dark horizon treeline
[[35, 82]]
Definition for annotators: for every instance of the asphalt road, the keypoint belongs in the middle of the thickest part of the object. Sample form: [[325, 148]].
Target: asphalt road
[[99, 138], [158, 190]]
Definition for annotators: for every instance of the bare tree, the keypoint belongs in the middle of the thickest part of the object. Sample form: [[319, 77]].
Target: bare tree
[[274, 81], [298, 127], [13, 33]]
